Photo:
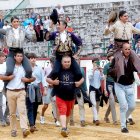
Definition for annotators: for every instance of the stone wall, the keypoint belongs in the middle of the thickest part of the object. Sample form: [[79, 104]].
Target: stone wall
[[89, 22]]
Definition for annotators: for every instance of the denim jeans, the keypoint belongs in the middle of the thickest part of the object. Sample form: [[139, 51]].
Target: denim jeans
[[31, 111], [126, 98]]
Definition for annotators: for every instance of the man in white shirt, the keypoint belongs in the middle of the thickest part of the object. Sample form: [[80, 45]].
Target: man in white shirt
[[95, 75], [60, 10], [6, 26], [3, 115], [16, 95]]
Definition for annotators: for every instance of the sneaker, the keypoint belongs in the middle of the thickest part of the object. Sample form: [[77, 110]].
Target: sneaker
[[97, 122], [131, 122], [71, 123], [42, 120], [124, 130], [26, 132], [83, 123], [57, 123], [107, 120], [64, 132], [13, 133]]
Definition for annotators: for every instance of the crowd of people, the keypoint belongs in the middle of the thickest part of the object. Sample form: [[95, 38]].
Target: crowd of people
[[25, 85]]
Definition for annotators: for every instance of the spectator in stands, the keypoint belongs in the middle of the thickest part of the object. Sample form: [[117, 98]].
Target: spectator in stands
[[30, 31], [137, 47], [69, 28], [6, 25], [1, 36], [39, 29], [28, 20], [46, 23], [136, 25], [60, 10]]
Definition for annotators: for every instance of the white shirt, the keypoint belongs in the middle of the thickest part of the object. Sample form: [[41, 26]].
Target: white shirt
[[60, 11], [2, 72], [16, 33], [46, 24], [122, 30], [6, 27], [95, 78], [16, 82], [38, 73], [63, 36]]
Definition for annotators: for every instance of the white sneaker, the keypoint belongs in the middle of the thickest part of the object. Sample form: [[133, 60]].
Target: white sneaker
[[42, 120], [57, 123]]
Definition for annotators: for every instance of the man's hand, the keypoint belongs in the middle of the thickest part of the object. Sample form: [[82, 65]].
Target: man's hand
[[45, 91], [78, 84], [75, 56], [24, 79], [55, 82], [105, 93], [11, 77]]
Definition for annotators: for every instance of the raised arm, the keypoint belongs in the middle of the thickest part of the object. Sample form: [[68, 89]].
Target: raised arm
[[109, 29]]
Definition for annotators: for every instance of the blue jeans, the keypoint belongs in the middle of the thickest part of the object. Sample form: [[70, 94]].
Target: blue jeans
[[31, 111], [126, 98]]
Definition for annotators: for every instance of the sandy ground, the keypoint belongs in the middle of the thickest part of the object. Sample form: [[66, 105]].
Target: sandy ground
[[106, 131]]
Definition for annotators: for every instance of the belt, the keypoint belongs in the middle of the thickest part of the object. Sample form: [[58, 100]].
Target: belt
[[17, 90], [64, 53], [121, 40]]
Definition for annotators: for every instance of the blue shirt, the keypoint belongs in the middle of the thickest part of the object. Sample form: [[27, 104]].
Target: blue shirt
[[38, 73], [95, 78], [137, 25]]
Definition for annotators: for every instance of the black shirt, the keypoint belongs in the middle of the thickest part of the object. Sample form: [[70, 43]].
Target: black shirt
[[66, 88], [128, 77]]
